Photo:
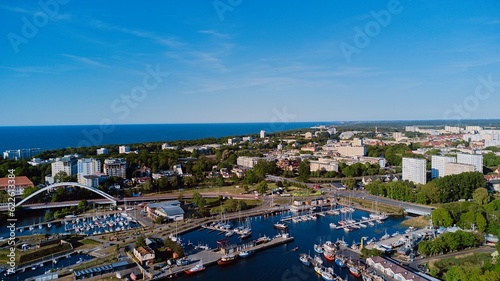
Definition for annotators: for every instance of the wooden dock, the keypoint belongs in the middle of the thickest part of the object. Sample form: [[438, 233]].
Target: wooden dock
[[211, 256]]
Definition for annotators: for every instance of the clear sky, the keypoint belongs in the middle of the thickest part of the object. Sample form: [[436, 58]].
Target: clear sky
[[129, 62]]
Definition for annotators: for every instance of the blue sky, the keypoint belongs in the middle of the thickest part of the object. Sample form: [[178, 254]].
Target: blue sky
[[91, 62]]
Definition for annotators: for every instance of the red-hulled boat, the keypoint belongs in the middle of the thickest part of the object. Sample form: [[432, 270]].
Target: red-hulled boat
[[226, 259], [329, 256]]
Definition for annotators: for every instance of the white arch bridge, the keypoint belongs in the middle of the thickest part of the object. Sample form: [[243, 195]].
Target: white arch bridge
[[110, 198]]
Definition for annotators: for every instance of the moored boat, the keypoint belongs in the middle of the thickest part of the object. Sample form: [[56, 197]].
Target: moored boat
[[246, 254], [226, 259], [354, 271], [329, 256], [197, 268], [305, 259], [281, 226]]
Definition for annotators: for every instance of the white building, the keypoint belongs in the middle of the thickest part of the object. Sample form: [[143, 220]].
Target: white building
[[102, 151], [167, 146], [262, 134], [438, 165], [248, 139], [411, 128], [452, 129], [473, 129], [414, 170], [247, 162], [323, 164], [65, 164], [116, 167], [471, 159], [21, 153], [457, 168], [124, 149], [87, 167]]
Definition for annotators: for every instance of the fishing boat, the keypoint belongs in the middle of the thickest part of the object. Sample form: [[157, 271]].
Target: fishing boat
[[328, 276], [262, 240], [318, 249], [197, 268], [329, 247], [354, 271], [395, 234], [340, 261], [318, 260], [280, 226], [246, 254], [226, 259], [318, 269], [329, 256], [183, 261], [385, 236], [245, 235], [305, 259]]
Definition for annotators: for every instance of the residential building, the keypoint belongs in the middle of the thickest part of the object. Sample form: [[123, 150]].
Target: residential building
[[102, 151], [393, 270], [86, 167], [17, 154], [471, 159], [67, 164], [453, 130], [248, 139], [144, 255], [170, 210], [411, 128], [308, 135], [323, 164], [357, 142], [438, 165], [233, 141], [167, 146], [123, 149], [397, 135], [247, 162], [312, 147], [473, 129], [115, 167], [21, 182], [262, 134], [351, 151], [414, 170], [451, 168]]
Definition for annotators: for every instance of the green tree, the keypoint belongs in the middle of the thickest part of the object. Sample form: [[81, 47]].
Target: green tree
[[29, 190], [141, 241], [304, 171], [61, 176], [481, 196], [441, 217], [198, 200], [262, 187]]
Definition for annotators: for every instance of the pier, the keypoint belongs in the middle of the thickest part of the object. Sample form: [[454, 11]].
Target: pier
[[210, 256]]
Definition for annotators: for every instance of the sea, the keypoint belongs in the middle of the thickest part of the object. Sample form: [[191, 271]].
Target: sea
[[276, 263], [58, 137]]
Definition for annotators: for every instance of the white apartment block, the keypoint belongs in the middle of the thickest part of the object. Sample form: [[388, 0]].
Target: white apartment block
[[247, 162], [352, 151], [411, 128], [397, 135], [87, 167], [102, 151], [452, 129], [438, 165], [473, 129], [323, 164], [262, 134], [115, 167], [124, 149], [457, 168], [21, 153], [471, 159], [414, 170], [64, 164]]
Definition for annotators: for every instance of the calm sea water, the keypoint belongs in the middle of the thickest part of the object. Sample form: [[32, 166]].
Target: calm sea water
[[56, 137], [280, 262]]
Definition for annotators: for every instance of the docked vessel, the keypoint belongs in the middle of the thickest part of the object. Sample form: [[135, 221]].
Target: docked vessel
[[197, 268], [246, 254], [305, 259], [226, 259], [280, 225]]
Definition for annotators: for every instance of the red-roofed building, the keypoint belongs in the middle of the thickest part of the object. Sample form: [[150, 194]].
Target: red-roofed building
[[21, 182]]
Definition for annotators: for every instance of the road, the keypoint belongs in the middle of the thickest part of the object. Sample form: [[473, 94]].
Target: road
[[361, 194]]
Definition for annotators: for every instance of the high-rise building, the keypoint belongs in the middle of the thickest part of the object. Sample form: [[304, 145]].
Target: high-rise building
[[87, 167], [457, 168], [65, 164], [115, 167], [471, 159], [414, 170], [102, 151], [17, 154], [438, 165], [124, 149], [262, 134]]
